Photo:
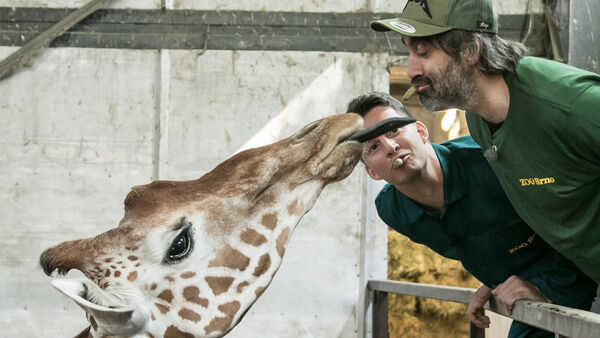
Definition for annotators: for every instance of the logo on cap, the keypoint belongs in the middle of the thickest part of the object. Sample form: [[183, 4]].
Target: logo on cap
[[424, 5], [403, 26], [483, 25]]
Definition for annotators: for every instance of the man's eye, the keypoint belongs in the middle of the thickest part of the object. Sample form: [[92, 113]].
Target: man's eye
[[370, 148], [393, 133], [421, 54]]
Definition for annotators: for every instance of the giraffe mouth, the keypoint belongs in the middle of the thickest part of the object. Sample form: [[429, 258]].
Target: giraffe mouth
[[114, 319], [87, 294]]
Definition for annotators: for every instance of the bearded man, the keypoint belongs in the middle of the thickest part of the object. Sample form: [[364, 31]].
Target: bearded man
[[538, 121]]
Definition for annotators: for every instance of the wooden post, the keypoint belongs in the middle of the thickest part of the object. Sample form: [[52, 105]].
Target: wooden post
[[476, 332], [380, 314], [24, 55]]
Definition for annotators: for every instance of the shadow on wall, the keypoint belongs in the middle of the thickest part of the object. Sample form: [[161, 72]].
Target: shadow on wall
[[303, 106]]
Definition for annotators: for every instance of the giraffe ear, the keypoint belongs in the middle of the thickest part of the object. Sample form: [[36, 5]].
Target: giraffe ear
[[117, 321]]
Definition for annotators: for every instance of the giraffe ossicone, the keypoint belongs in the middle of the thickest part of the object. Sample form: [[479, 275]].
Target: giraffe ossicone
[[189, 258]]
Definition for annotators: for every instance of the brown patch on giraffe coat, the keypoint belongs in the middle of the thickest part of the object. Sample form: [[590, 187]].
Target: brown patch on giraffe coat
[[230, 258], [189, 315], [267, 198], [188, 274], [190, 293], [263, 265], [117, 273], [222, 323], [219, 284], [241, 286], [152, 315], [173, 332], [269, 221], [132, 276], [166, 295], [170, 279], [108, 260], [163, 309], [217, 324], [282, 240], [132, 258], [107, 274], [153, 286], [296, 208], [259, 291], [253, 237], [230, 309]]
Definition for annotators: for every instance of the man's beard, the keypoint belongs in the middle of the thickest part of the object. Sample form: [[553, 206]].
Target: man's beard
[[452, 87]]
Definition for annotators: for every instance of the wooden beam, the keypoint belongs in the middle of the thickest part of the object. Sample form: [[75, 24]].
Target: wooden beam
[[25, 55], [226, 30], [398, 75]]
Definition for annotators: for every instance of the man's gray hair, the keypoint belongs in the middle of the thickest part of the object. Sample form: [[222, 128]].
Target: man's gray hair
[[496, 55]]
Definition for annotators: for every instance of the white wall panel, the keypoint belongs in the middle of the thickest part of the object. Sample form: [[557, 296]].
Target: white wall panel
[[76, 134]]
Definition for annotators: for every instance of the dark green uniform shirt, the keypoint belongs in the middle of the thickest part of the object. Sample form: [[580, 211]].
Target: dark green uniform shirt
[[479, 227], [548, 155]]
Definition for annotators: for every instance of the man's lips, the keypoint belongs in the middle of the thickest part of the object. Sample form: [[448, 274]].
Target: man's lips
[[421, 86], [403, 157], [421, 83]]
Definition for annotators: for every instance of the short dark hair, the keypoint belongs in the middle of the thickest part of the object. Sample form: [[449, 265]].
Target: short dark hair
[[496, 55], [363, 104]]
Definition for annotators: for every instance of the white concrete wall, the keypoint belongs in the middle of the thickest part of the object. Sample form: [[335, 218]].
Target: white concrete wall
[[80, 127]]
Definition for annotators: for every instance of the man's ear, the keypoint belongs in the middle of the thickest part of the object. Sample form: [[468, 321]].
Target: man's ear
[[371, 173], [423, 131], [471, 51]]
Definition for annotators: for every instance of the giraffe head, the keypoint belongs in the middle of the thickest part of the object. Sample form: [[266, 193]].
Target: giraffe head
[[189, 258]]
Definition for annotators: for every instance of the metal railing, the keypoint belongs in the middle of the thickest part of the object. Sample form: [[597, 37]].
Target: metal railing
[[563, 321]]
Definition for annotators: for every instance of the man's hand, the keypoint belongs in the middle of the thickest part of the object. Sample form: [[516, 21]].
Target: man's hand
[[475, 311], [515, 288]]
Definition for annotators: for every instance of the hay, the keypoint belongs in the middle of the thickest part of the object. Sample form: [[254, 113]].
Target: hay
[[423, 317]]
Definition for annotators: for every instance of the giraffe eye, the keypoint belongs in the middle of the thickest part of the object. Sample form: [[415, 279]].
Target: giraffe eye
[[181, 247]]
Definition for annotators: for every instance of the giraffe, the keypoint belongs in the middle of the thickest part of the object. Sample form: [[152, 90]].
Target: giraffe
[[189, 258]]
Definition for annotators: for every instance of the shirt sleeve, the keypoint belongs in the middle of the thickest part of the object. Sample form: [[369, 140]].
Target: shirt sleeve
[[585, 124]]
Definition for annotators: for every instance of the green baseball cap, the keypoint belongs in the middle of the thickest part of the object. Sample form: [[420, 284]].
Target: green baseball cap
[[431, 17]]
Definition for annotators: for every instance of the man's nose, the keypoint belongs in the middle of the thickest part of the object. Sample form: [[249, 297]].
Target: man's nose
[[390, 145], [414, 66]]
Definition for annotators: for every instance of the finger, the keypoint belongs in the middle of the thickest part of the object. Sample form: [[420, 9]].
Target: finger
[[481, 321], [509, 308]]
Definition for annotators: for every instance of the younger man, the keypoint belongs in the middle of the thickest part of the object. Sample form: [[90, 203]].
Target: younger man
[[447, 197]]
